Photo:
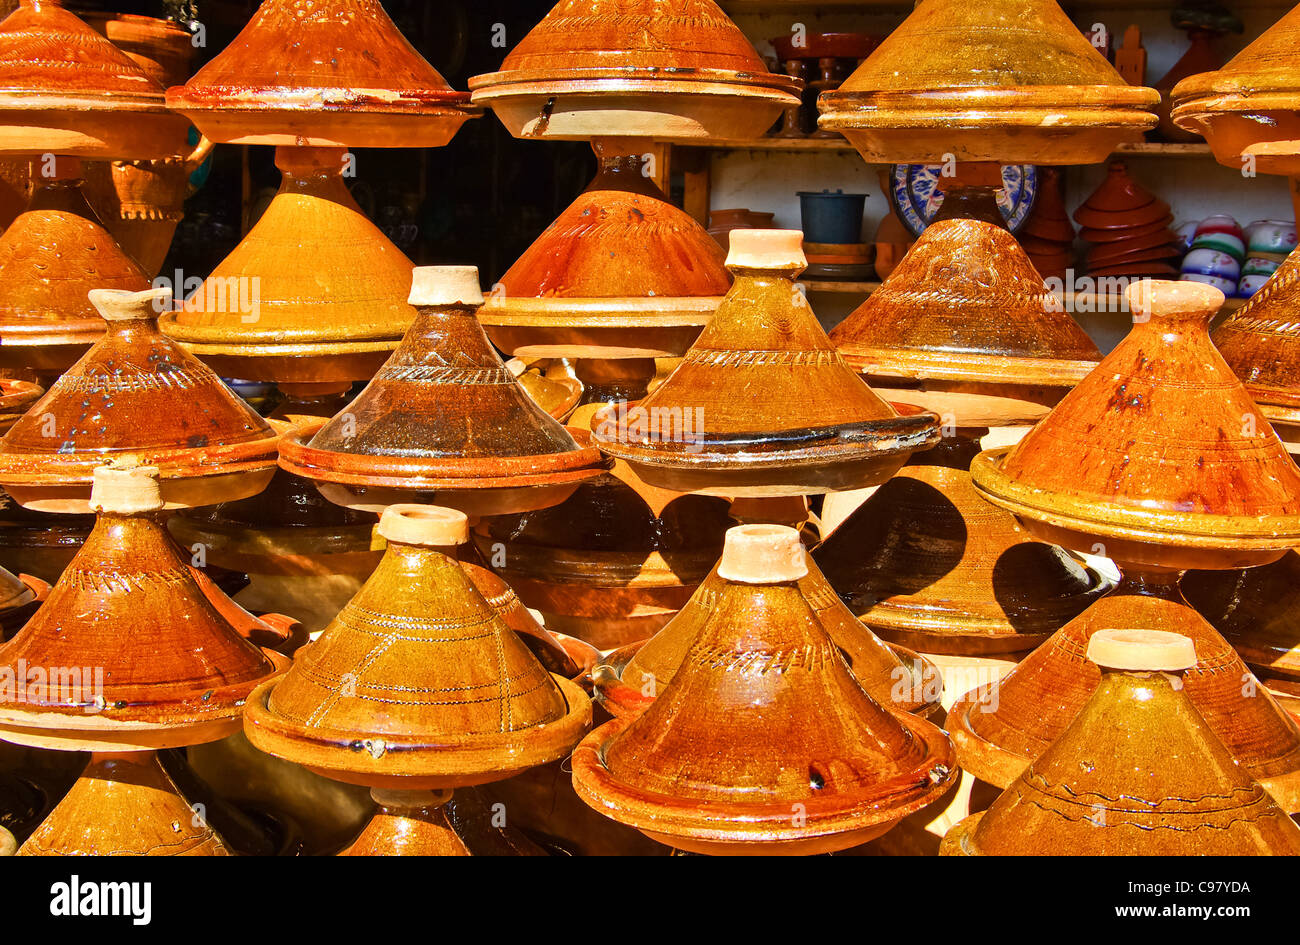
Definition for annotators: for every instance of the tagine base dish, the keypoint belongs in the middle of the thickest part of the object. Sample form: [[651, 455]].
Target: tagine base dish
[[45, 730], [94, 128], [321, 128], [587, 328], [306, 363]]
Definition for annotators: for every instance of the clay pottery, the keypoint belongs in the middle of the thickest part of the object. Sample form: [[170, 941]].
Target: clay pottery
[[444, 417], [162, 48], [1120, 203], [662, 68], [136, 393], [553, 384], [1247, 108], [728, 749], [464, 700], [51, 257], [124, 804], [631, 677], [926, 563], [1121, 234], [722, 222], [817, 428], [20, 595], [16, 397], [41, 544], [168, 668], [291, 304], [1144, 270], [64, 89], [332, 73], [1202, 55], [622, 273], [1171, 463], [1138, 772], [1014, 82], [1049, 219]]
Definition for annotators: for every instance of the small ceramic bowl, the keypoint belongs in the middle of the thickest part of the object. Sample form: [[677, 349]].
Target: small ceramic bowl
[[1249, 285], [1186, 233], [1257, 266], [1227, 243], [1210, 262], [1271, 236], [1227, 286], [1221, 223]]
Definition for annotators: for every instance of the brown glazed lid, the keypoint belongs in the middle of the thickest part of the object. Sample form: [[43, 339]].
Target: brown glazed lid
[[124, 804], [1261, 343], [927, 563], [290, 303], [418, 683], [1248, 107], [1121, 203], [661, 68], [1159, 453], [159, 665], [64, 89], [763, 719], [51, 256], [1000, 728], [621, 273], [137, 393], [1005, 80], [817, 426], [444, 415], [1137, 773], [329, 73]]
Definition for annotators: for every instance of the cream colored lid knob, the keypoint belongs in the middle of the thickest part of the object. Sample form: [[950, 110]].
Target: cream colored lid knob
[[1162, 297], [763, 554], [428, 525], [766, 249], [118, 305], [125, 488], [1142, 650], [446, 285]]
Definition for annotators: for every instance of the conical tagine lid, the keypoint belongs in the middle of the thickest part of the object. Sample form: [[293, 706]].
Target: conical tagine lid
[[621, 273], [445, 413], [658, 68], [926, 563], [1261, 343], [291, 303], [137, 393], [420, 671], [1012, 81], [1169, 460], [127, 652], [64, 89], [326, 73], [763, 721], [816, 428], [1137, 773]]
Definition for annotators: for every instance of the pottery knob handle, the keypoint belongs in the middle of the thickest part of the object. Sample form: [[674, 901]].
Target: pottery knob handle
[[427, 525], [1142, 650], [763, 554], [118, 305], [1165, 299], [445, 285], [766, 249], [125, 488]]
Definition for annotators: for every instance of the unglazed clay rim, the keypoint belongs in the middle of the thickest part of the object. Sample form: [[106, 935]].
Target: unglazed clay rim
[[922, 364], [1109, 520], [415, 756], [525, 311], [665, 815]]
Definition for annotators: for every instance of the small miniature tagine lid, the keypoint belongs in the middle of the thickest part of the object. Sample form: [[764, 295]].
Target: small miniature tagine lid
[[65, 89], [1138, 772], [988, 76], [137, 393], [418, 680], [762, 718], [1165, 446], [817, 426], [443, 412], [158, 665], [327, 72], [1261, 343]]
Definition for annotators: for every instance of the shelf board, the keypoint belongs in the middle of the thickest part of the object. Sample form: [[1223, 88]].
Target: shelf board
[[1092, 302], [1155, 149]]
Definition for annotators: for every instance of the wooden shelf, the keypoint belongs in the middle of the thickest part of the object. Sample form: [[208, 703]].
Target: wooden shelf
[[865, 289], [1156, 149]]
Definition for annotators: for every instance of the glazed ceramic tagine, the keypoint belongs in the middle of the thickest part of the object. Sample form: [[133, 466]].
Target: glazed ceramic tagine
[[418, 687], [137, 393], [16, 396], [816, 428], [329, 73], [1159, 460], [1137, 773], [1247, 110], [1005, 80], [445, 418], [664, 68], [764, 742]]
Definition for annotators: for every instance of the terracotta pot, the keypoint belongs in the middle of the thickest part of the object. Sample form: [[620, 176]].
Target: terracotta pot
[[332, 74], [674, 69], [552, 383], [1014, 82], [69, 91], [137, 393], [290, 304], [464, 701], [706, 767], [1261, 343], [1089, 235], [622, 273], [1153, 777], [466, 430], [818, 427]]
